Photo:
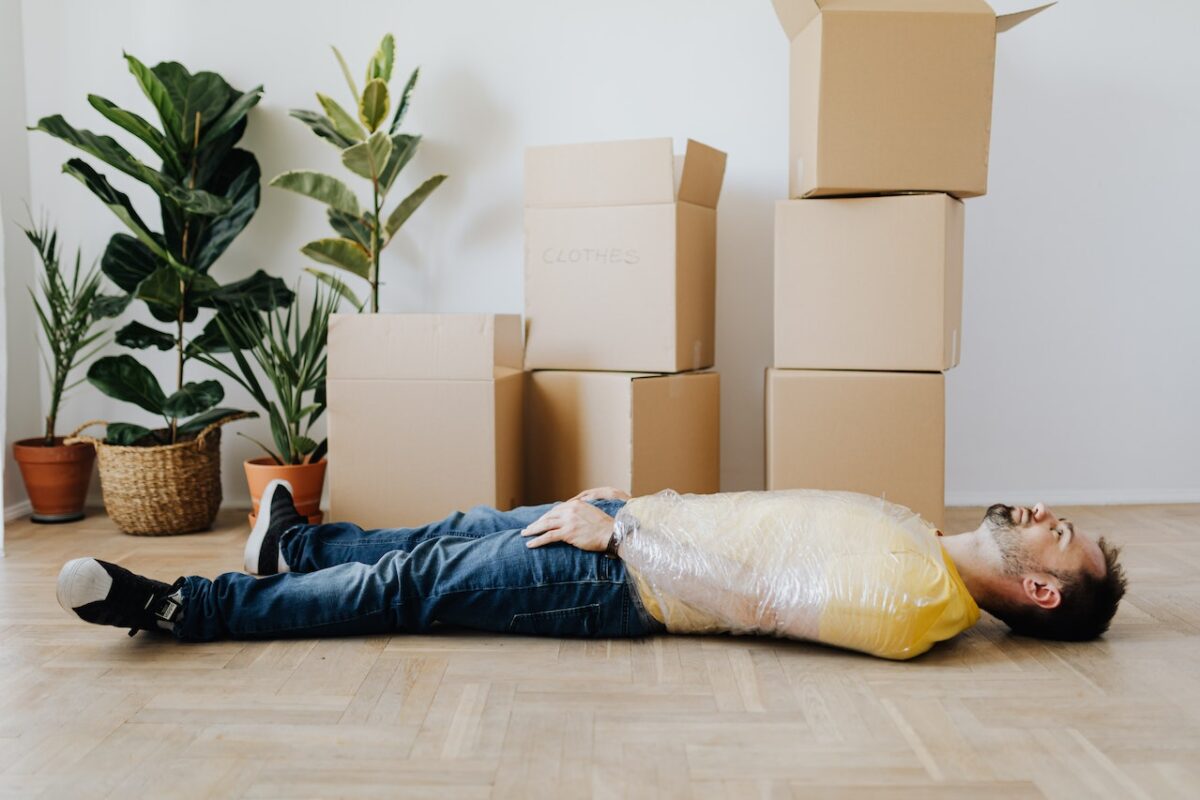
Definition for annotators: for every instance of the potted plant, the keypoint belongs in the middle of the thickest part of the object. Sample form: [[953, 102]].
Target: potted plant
[[372, 151], [288, 352], [167, 480], [57, 475]]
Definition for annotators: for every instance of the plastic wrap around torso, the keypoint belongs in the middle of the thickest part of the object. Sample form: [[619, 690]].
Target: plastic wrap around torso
[[836, 567]]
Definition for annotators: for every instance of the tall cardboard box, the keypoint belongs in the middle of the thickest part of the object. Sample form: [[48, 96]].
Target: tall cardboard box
[[637, 432], [869, 283], [891, 95], [620, 255], [425, 415], [879, 433]]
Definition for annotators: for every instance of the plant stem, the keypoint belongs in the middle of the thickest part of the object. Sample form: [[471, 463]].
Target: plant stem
[[375, 248]]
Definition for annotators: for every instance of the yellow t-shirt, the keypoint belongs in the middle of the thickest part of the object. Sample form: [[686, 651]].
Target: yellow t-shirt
[[836, 567]]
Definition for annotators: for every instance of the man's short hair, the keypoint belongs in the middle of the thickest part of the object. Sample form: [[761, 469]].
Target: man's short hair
[[1087, 607]]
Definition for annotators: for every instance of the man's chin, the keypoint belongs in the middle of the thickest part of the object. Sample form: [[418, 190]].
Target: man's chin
[[999, 516]]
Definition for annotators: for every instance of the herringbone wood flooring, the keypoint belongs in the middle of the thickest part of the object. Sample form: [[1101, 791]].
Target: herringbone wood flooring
[[87, 712]]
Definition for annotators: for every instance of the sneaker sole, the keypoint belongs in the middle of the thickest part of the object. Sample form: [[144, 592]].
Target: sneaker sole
[[261, 524]]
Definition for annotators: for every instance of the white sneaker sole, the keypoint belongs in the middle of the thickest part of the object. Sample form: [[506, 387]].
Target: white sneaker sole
[[261, 523], [81, 581]]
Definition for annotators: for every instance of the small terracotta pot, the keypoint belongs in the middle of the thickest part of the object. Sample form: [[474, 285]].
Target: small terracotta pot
[[307, 481], [56, 477]]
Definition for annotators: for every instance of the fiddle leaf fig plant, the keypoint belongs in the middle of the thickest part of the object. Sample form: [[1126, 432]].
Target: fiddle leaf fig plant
[[373, 149], [207, 190]]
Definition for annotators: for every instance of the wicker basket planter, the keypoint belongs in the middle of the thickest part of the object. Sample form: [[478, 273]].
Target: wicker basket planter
[[164, 490]]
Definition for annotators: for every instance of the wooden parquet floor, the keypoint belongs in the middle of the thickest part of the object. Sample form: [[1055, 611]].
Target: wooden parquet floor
[[86, 712]]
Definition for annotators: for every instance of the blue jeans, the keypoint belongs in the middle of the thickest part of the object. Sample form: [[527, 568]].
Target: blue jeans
[[471, 570]]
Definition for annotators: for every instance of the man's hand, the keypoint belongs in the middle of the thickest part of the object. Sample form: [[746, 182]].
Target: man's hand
[[575, 522], [602, 493]]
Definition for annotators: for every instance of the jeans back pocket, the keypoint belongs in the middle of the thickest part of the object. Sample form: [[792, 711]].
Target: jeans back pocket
[[578, 621]]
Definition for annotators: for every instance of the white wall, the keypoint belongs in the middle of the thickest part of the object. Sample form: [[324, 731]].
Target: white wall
[[1079, 374], [21, 407]]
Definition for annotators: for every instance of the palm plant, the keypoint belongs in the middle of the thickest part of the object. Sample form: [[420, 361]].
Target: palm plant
[[289, 353], [68, 310], [370, 151], [207, 191]]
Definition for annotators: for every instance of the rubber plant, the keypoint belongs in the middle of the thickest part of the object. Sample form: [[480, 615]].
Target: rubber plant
[[207, 190], [372, 148]]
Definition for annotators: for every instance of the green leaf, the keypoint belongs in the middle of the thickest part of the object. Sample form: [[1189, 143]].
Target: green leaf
[[340, 288], [343, 123], [197, 201], [325, 188], [139, 337], [380, 65], [374, 105], [125, 434], [232, 115], [355, 228], [156, 92], [405, 97], [140, 128], [199, 99], [304, 445], [322, 126], [243, 331], [411, 203], [261, 291], [127, 261], [162, 292], [344, 253], [107, 149], [193, 398], [319, 453], [346, 72], [117, 202], [236, 180], [197, 424], [404, 147], [110, 305], [123, 378], [367, 159]]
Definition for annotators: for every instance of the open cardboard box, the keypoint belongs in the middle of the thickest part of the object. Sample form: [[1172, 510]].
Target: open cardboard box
[[869, 283], [637, 432], [891, 95], [424, 415], [878, 433], [620, 255]]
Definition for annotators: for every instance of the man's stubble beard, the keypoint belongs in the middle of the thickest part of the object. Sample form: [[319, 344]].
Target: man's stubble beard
[[1015, 560]]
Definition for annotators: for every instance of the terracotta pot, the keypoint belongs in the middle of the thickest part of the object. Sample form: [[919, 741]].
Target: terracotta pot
[[307, 481], [56, 477]]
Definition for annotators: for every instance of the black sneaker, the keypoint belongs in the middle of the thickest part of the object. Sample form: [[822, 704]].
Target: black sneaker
[[276, 516], [106, 594]]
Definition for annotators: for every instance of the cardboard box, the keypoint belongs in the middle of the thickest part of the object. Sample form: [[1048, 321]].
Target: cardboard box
[[878, 433], [620, 255], [637, 432], [871, 283], [424, 416], [891, 95]]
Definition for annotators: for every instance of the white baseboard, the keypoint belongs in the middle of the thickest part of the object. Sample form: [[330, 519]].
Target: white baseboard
[[1076, 497], [17, 510]]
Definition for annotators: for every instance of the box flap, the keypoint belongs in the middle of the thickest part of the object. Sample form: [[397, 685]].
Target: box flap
[[910, 6], [1006, 22], [631, 172], [703, 172], [424, 346], [794, 15]]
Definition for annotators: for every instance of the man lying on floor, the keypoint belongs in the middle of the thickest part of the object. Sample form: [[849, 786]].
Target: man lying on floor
[[834, 567]]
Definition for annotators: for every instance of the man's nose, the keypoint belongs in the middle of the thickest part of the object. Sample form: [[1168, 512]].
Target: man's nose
[[1040, 512]]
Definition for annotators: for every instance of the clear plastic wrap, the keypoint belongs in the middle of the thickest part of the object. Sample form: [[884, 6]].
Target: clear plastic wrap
[[836, 567]]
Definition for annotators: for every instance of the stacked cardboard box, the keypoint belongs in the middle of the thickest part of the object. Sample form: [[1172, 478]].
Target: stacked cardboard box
[[425, 415], [620, 292], [890, 121]]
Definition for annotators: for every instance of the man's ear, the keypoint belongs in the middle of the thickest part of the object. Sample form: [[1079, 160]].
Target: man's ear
[[1041, 593]]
